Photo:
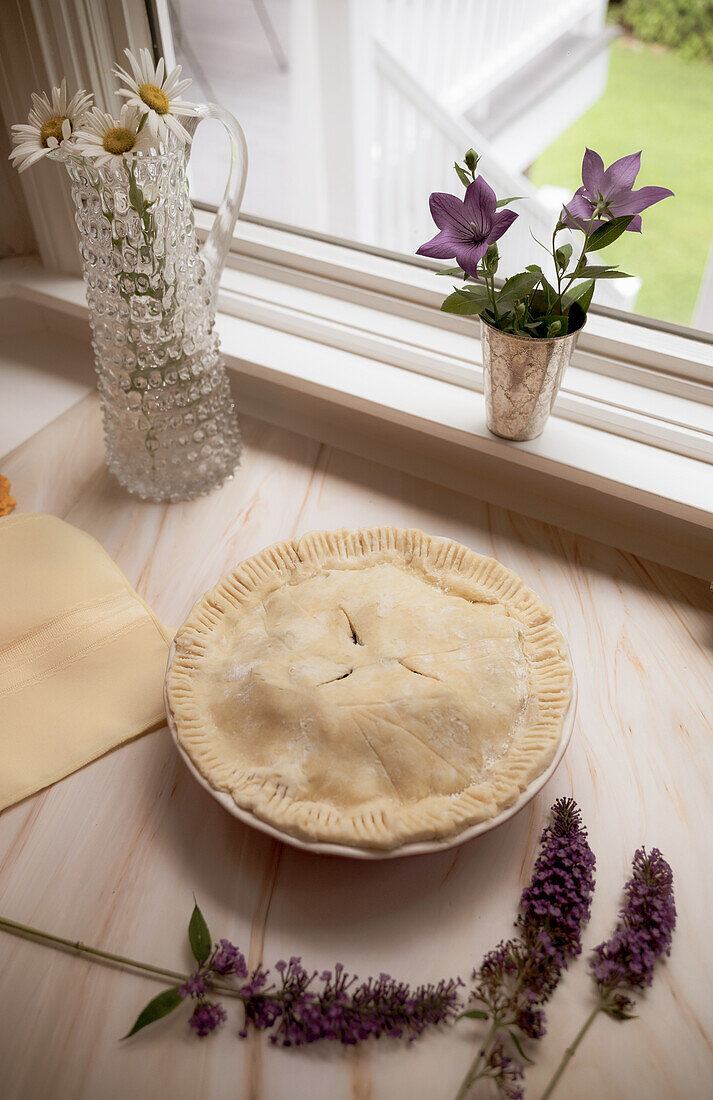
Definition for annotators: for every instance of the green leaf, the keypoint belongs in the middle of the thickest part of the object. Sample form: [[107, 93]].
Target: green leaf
[[474, 290], [199, 936], [550, 294], [579, 294], [157, 1008], [463, 176], [453, 271], [595, 271], [607, 234], [474, 1014], [618, 1013], [562, 257], [518, 286], [518, 1047], [466, 306], [504, 202]]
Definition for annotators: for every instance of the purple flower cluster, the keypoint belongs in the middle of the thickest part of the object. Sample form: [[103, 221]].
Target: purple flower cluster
[[556, 905], [207, 1017], [345, 1010], [197, 985], [497, 979], [519, 975], [341, 1008], [642, 936], [227, 960], [516, 978], [506, 1073]]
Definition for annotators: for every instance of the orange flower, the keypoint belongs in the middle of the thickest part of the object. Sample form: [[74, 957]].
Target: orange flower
[[7, 503]]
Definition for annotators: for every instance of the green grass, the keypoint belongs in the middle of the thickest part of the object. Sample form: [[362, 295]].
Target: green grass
[[663, 105]]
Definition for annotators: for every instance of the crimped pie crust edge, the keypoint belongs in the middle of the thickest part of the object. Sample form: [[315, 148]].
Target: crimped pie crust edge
[[384, 824]]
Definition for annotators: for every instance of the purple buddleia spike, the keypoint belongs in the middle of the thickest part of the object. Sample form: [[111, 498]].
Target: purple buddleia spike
[[642, 936]]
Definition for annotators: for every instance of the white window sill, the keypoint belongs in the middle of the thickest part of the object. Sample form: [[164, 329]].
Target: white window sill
[[620, 462]]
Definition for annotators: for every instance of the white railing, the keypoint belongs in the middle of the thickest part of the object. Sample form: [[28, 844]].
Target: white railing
[[417, 144], [461, 49]]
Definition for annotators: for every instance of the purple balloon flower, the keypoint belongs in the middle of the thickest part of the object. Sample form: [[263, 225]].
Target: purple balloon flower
[[607, 193], [467, 227]]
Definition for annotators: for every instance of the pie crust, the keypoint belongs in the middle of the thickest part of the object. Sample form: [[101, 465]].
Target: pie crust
[[370, 687]]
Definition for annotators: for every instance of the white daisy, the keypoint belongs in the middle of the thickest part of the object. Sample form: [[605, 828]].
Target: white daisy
[[105, 139], [158, 99], [48, 125]]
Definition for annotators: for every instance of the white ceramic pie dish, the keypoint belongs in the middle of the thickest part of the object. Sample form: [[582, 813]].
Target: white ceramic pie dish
[[415, 848]]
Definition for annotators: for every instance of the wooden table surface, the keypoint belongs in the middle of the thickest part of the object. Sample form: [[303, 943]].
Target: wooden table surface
[[113, 854]]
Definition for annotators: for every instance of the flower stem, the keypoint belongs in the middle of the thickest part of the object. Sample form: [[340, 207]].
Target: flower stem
[[24, 930], [582, 260], [491, 289], [557, 270], [474, 1069], [571, 1049]]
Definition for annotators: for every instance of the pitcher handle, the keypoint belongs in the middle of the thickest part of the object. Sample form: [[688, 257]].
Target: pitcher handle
[[217, 243]]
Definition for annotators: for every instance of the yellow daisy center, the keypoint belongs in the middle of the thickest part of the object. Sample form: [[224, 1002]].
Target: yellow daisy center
[[52, 128], [119, 140], [154, 98]]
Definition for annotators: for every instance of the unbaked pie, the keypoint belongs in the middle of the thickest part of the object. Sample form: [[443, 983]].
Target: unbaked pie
[[370, 687]]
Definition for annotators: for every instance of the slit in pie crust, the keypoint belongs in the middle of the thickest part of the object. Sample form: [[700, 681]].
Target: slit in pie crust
[[370, 687]]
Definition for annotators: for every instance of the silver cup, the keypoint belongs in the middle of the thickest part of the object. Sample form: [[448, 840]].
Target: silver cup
[[521, 378]]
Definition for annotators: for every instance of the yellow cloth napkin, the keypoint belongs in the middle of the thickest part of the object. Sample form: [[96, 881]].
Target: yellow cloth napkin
[[82, 657]]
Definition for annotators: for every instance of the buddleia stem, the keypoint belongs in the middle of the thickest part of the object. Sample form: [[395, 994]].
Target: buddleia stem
[[50, 940], [475, 1067], [571, 1050]]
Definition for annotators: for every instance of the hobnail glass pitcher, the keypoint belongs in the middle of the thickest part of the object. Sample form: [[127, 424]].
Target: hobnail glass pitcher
[[170, 427]]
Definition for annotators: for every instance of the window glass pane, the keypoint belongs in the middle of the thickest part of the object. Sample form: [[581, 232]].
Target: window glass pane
[[355, 110]]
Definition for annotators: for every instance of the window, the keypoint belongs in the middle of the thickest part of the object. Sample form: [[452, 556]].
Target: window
[[355, 110], [343, 339]]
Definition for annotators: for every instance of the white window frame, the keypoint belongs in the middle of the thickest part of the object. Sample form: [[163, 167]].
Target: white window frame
[[357, 343]]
